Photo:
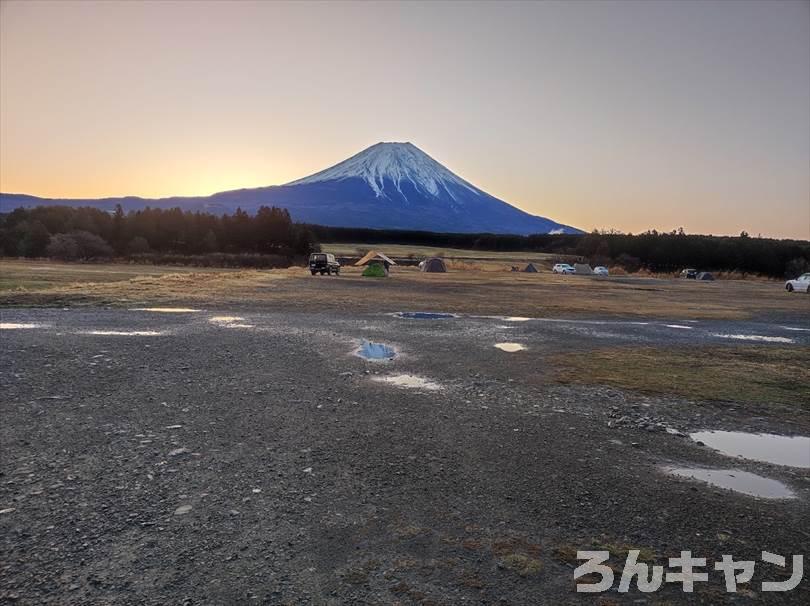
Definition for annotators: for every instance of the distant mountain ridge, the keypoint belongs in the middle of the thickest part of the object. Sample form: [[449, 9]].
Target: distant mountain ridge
[[386, 186]]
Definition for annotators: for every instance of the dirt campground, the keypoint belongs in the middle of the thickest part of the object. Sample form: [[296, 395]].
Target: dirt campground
[[276, 438]]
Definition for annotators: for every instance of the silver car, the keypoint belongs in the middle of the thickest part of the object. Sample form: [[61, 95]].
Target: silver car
[[563, 268]]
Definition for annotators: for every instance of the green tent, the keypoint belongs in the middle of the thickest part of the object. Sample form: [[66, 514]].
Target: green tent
[[374, 270]]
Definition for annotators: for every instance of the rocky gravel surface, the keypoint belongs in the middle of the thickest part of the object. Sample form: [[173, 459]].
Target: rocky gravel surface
[[254, 460]]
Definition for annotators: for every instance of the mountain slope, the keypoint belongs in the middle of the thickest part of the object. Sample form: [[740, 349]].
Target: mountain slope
[[386, 186]]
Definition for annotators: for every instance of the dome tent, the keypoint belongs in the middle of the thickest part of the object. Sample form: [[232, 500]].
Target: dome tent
[[434, 265], [375, 270]]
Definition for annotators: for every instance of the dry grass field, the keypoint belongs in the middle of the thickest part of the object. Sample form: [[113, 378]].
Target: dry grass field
[[744, 373], [471, 291]]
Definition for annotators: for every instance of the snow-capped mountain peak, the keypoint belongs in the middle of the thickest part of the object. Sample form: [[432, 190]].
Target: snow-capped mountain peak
[[396, 163]]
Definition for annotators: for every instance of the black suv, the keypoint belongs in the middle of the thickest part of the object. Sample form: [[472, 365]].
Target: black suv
[[324, 263]]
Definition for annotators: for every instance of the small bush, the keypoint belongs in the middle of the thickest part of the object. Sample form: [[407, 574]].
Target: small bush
[[63, 247], [78, 245]]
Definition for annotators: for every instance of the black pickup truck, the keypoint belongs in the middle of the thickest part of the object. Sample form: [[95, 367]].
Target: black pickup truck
[[324, 263]]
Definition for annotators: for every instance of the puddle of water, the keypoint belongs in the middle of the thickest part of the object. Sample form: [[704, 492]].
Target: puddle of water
[[679, 326], [167, 310], [796, 328], [736, 480], [409, 382], [510, 347], [375, 351], [425, 315], [515, 319], [792, 451], [19, 326], [124, 333], [754, 338], [230, 322]]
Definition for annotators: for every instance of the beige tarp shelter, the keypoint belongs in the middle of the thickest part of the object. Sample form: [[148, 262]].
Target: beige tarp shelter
[[373, 255], [583, 269]]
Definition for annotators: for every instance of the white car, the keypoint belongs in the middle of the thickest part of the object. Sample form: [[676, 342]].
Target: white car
[[800, 284], [563, 268], [600, 270]]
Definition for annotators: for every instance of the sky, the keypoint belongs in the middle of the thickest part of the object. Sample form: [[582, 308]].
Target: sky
[[609, 115]]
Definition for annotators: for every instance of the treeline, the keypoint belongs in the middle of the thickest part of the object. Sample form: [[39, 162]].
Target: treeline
[[658, 252], [271, 238], [89, 233]]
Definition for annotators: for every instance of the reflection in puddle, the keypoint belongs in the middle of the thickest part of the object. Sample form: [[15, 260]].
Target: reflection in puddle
[[375, 351], [736, 480], [424, 315], [124, 333], [409, 381], [510, 347], [167, 310], [771, 448], [680, 326], [19, 326], [515, 319], [754, 338], [796, 328]]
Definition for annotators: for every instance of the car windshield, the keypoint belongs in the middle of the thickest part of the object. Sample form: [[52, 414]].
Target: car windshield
[[318, 258]]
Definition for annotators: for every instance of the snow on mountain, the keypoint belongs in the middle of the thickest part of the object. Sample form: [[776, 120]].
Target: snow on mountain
[[386, 186], [395, 162]]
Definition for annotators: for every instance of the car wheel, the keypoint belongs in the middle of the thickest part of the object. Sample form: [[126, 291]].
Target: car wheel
[[313, 272], [789, 287], [808, 290]]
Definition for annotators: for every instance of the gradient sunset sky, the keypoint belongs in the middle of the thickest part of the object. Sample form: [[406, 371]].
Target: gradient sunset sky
[[629, 115]]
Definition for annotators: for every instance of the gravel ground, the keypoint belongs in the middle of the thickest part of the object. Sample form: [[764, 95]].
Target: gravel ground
[[255, 459]]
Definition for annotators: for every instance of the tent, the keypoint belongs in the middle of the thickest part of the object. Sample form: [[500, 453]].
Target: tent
[[705, 275], [373, 255], [434, 264], [583, 269], [530, 268], [375, 270]]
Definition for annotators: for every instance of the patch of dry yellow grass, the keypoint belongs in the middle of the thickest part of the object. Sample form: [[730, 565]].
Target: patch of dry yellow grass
[[746, 373], [478, 288]]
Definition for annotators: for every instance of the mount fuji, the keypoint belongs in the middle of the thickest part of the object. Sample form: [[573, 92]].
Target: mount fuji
[[386, 186]]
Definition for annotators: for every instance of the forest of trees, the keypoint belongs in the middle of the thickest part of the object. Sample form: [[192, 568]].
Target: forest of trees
[[270, 238], [658, 252], [89, 233]]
